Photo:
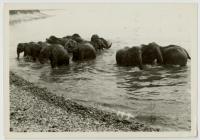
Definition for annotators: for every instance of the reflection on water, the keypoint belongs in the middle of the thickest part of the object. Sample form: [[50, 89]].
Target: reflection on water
[[158, 96]]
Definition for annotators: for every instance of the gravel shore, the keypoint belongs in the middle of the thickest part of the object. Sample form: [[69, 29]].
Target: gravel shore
[[34, 109]]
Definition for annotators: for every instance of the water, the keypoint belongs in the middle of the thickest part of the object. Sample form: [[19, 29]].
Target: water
[[156, 96]]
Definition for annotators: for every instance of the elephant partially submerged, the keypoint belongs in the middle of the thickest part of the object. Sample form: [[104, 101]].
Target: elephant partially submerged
[[62, 41], [168, 55], [55, 53], [80, 51], [22, 47], [83, 51], [100, 43], [129, 57], [31, 49]]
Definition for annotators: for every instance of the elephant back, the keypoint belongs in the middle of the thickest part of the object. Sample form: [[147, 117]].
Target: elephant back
[[84, 51], [174, 55], [121, 56], [129, 56]]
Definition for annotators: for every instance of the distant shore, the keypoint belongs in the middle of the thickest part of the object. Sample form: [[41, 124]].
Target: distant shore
[[13, 12], [34, 109], [17, 16]]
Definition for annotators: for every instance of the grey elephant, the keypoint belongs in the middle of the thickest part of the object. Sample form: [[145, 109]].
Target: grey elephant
[[80, 51], [55, 53], [83, 51], [62, 41], [31, 49], [100, 43], [22, 47], [55, 40], [168, 55], [129, 56]]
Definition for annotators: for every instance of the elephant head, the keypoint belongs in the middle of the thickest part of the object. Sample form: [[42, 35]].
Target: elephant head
[[107, 44], [151, 52], [100, 43], [94, 37], [70, 45], [77, 38], [21, 48]]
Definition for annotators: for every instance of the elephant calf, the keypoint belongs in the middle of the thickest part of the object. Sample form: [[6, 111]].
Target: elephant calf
[[55, 53], [129, 57]]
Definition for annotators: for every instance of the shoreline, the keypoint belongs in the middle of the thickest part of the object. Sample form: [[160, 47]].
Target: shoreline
[[35, 109], [17, 16]]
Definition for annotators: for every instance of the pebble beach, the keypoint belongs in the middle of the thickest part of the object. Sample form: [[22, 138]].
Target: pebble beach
[[35, 109]]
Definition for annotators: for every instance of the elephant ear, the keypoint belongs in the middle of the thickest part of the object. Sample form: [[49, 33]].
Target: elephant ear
[[159, 55], [140, 59]]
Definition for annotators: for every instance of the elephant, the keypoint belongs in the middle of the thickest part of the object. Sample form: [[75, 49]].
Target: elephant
[[55, 40], [31, 49], [76, 37], [167, 55], [55, 53], [84, 51], [100, 43], [62, 41], [107, 44], [22, 47], [81, 51], [130, 56], [35, 50]]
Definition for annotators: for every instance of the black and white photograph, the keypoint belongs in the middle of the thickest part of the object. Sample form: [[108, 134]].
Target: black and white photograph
[[113, 68]]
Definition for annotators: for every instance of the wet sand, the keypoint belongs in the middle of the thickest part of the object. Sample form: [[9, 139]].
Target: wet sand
[[35, 109]]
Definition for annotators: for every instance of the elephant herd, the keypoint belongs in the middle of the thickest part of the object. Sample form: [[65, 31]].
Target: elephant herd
[[57, 50], [151, 54]]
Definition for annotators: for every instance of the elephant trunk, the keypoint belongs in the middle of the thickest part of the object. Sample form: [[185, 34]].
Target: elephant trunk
[[140, 60], [159, 55], [108, 44], [18, 55]]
